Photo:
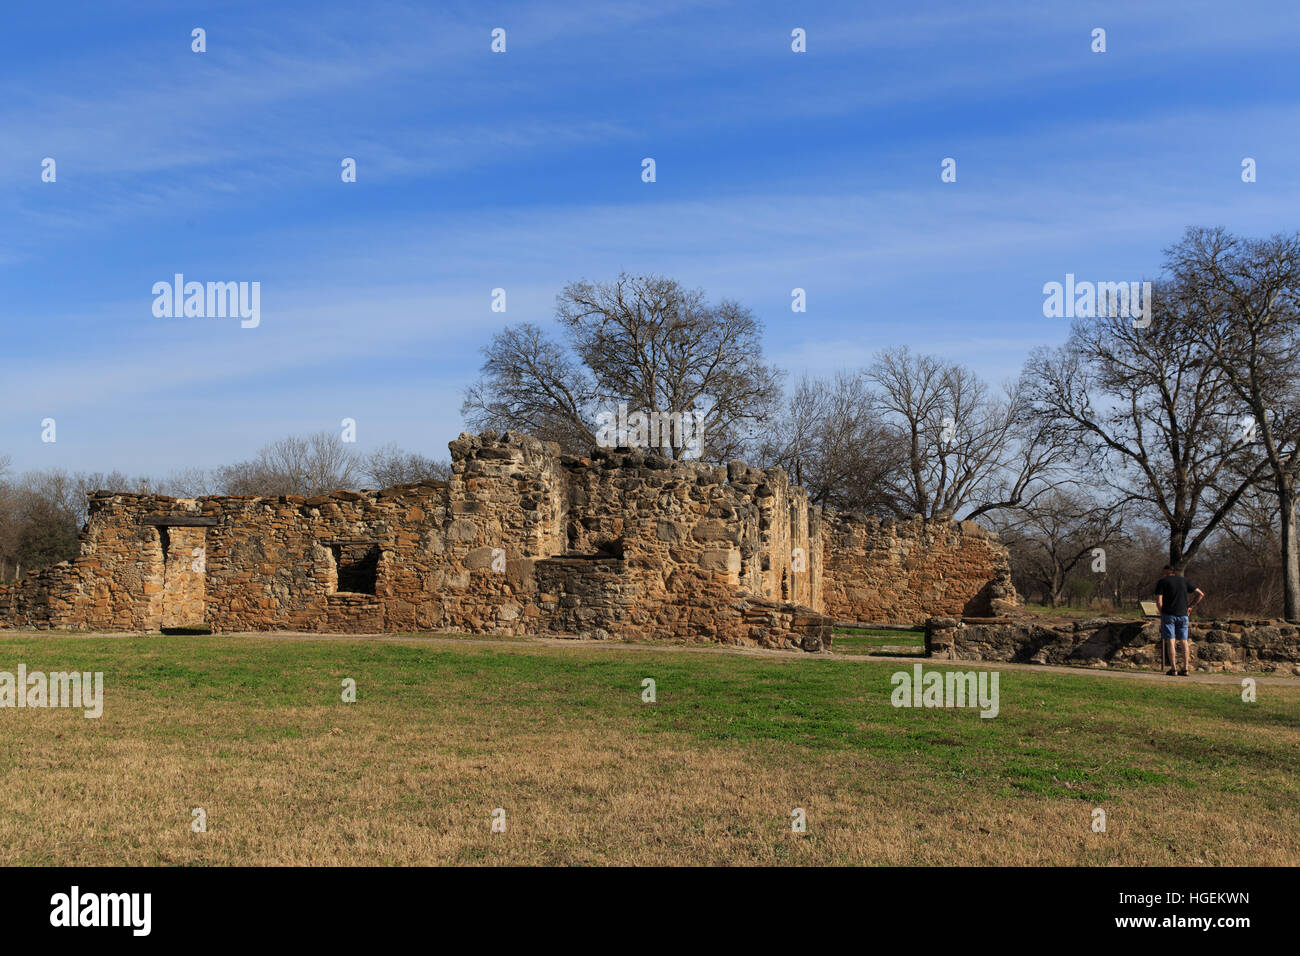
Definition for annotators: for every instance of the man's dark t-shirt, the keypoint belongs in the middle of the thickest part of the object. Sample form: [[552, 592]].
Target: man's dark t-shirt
[[1174, 590]]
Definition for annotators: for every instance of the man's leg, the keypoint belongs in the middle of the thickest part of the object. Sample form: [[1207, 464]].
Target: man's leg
[[1182, 629], [1167, 634]]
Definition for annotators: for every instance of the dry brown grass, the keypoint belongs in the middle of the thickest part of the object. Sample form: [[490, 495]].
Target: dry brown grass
[[560, 739]]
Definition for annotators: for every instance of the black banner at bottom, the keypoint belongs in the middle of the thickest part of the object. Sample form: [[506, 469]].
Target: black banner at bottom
[[213, 905]]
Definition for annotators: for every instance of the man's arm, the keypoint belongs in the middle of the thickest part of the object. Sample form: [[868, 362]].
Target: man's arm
[[1197, 597]]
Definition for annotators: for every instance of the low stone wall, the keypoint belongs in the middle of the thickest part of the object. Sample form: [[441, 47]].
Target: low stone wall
[[1267, 646]]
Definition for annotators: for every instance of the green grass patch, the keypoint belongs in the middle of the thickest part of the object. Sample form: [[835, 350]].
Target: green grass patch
[[855, 640], [210, 702]]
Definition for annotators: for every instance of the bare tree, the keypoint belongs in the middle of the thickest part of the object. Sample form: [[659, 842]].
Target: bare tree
[[1241, 569], [9, 525], [1133, 563], [42, 512], [388, 465], [1049, 540], [1152, 415], [534, 385], [832, 441], [643, 340], [963, 447], [308, 465], [45, 517], [187, 483], [1243, 298]]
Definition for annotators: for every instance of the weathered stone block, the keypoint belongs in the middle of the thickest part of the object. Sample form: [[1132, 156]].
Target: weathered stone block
[[728, 561]]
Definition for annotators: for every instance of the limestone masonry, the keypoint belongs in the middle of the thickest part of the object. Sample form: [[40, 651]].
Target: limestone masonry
[[1244, 645], [520, 540]]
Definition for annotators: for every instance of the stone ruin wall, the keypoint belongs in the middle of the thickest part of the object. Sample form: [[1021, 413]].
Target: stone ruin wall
[[670, 546], [881, 571], [520, 540]]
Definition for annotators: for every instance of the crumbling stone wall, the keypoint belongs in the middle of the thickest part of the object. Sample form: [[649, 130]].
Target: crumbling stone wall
[[1267, 646], [697, 548], [881, 571], [520, 540], [625, 544], [115, 584]]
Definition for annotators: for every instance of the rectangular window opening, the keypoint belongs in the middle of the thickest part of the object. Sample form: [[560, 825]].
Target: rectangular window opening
[[358, 567]]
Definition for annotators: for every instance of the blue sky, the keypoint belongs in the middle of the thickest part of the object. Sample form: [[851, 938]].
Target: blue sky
[[522, 170]]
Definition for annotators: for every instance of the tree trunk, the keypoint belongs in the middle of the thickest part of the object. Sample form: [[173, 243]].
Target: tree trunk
[[1177, 541], [1290, 556], [1058, 585]]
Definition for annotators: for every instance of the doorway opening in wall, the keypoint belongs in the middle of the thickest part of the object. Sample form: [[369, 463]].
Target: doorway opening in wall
[[357, 566], [181, 556]]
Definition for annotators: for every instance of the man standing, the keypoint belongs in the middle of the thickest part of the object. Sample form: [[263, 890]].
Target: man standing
[[1172, 592]]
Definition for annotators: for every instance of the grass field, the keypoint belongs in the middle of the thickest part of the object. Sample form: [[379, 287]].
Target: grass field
[[254, 731], [854, 640], [1065, 611]]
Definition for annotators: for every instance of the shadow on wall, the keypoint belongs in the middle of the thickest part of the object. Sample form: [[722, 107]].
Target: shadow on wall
[[996, 598]]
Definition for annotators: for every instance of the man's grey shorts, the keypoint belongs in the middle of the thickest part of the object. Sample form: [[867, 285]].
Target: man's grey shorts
[[1173, 627]]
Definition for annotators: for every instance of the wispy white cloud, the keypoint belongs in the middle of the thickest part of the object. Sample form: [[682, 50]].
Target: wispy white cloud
[[227, 165]]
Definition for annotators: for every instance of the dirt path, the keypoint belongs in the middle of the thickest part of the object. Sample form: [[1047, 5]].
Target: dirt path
[[754, 652]]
